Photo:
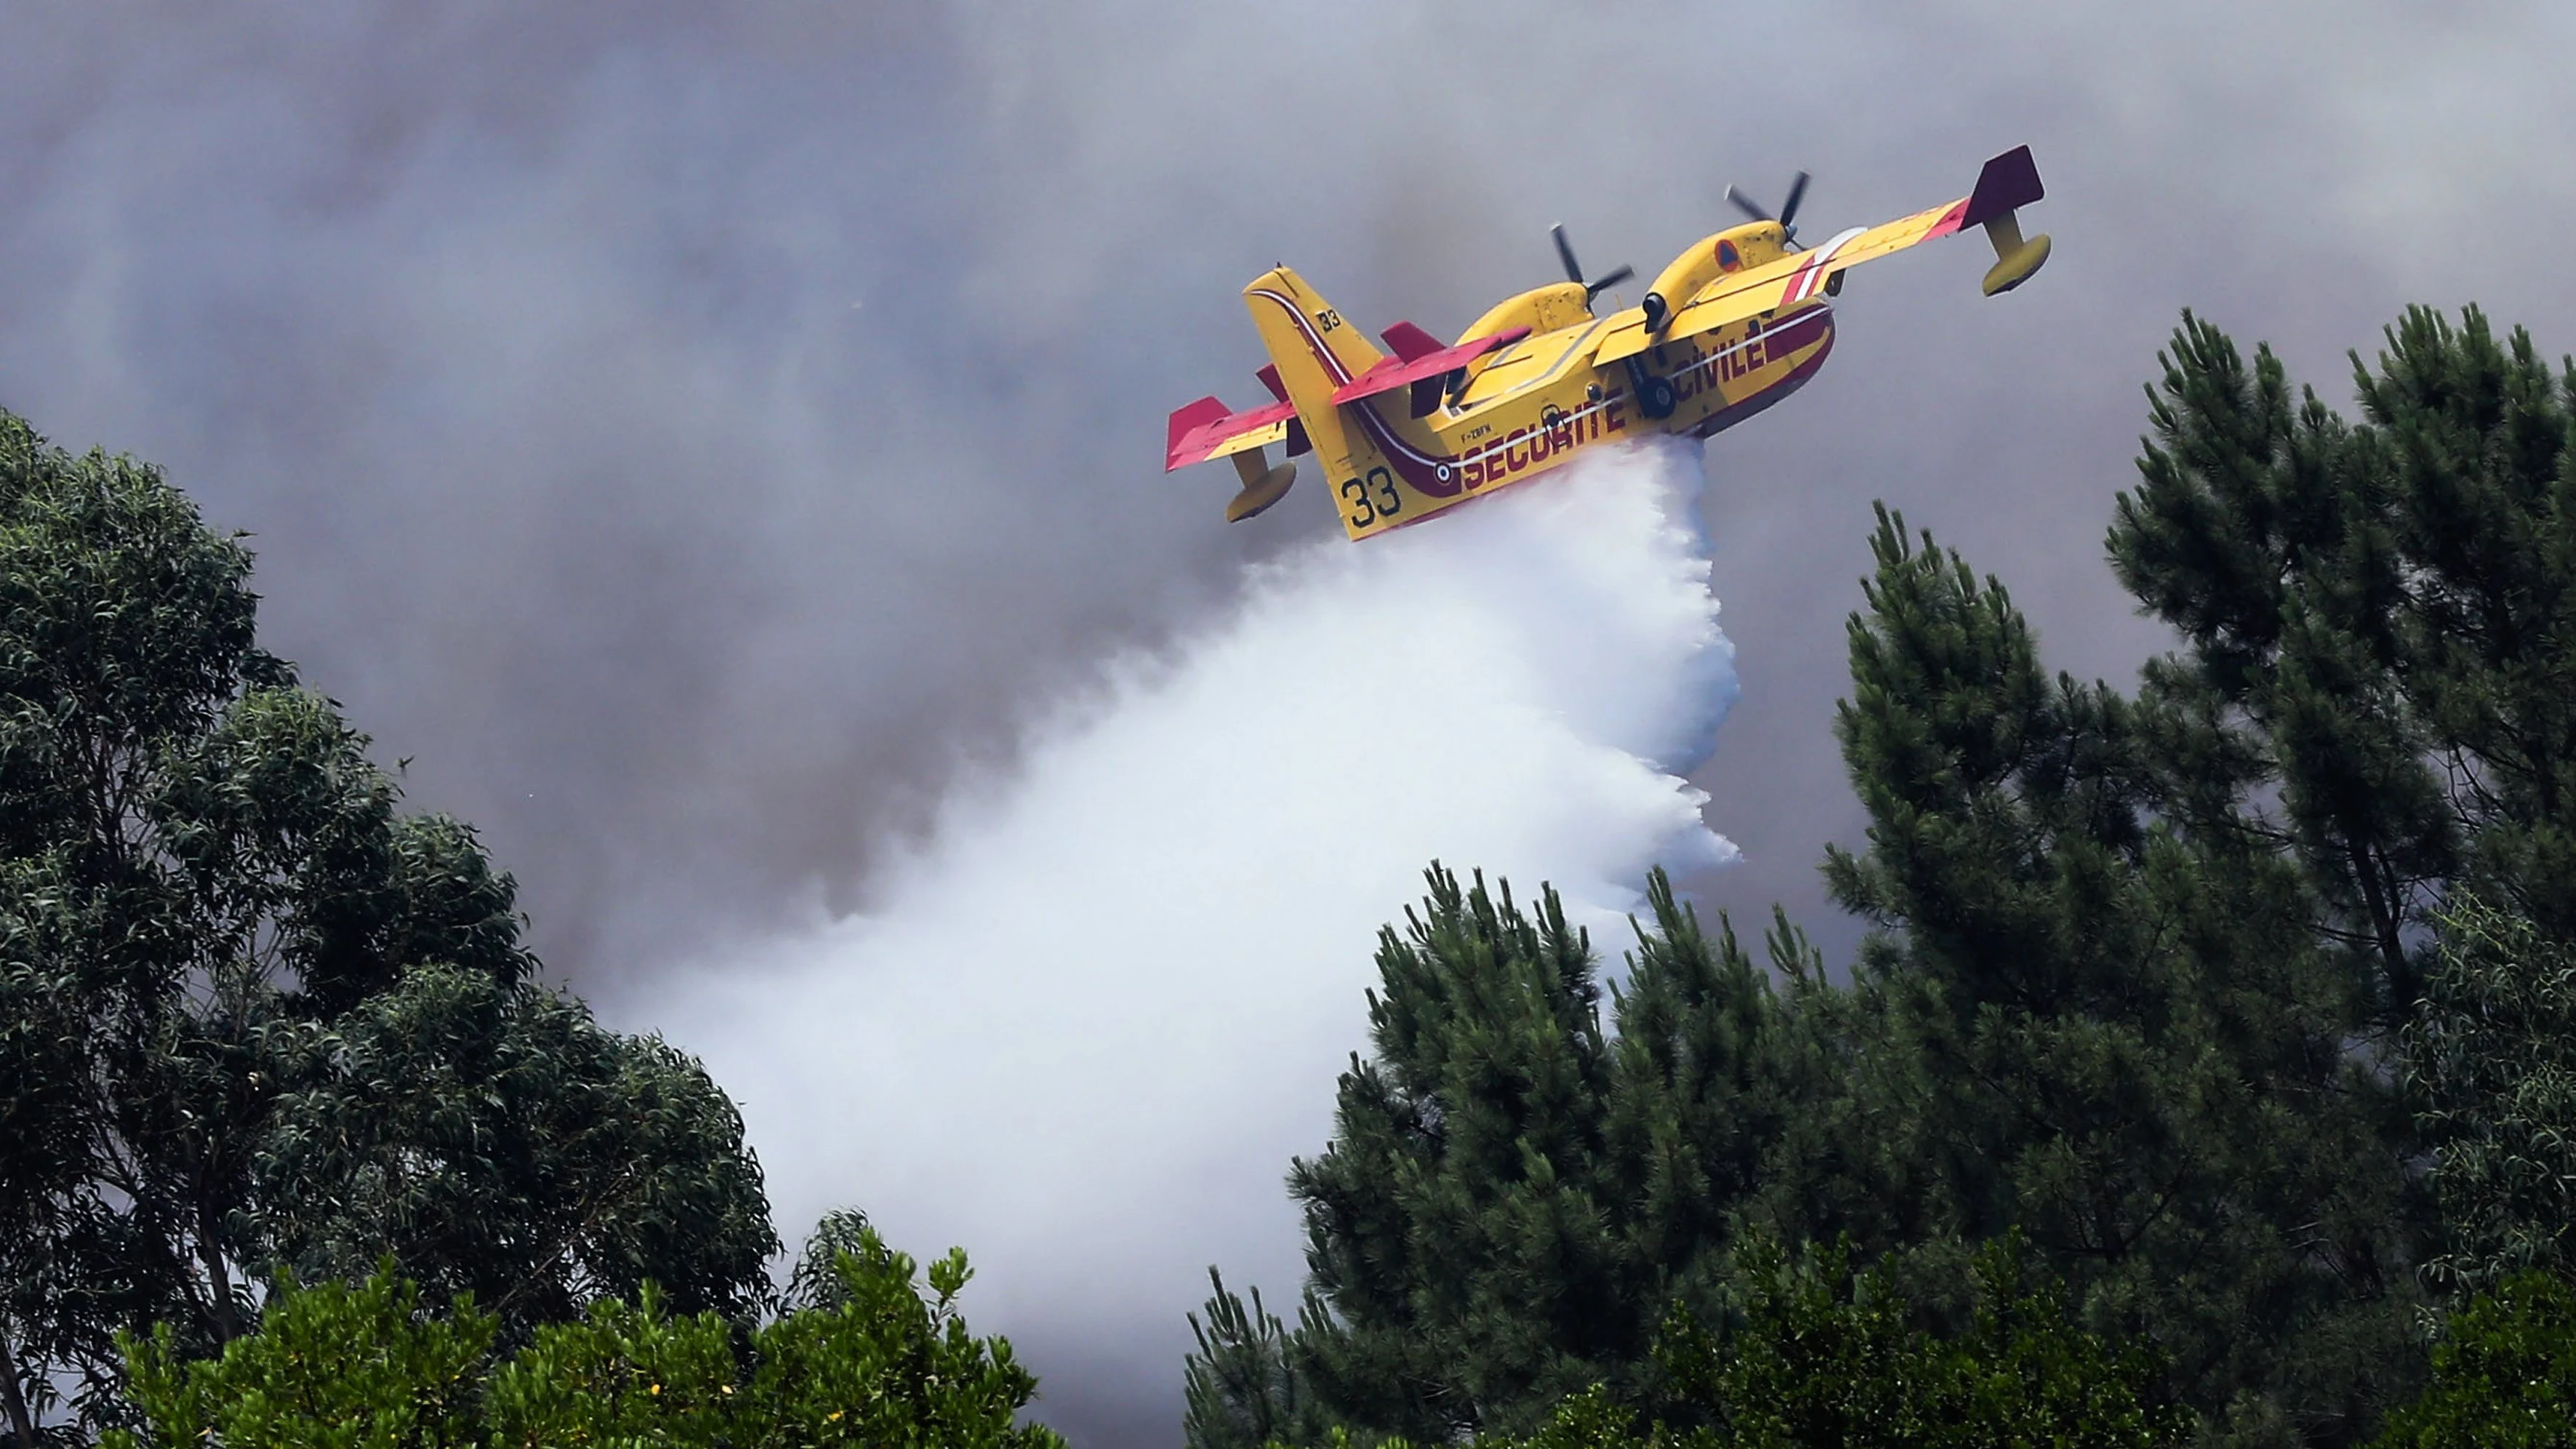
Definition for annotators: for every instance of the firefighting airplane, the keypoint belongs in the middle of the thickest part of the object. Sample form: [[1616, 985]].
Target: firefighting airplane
[[1735, 324]]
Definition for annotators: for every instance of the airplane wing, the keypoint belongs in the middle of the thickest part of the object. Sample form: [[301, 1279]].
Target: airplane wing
[[2008, 181], [1207, 429]]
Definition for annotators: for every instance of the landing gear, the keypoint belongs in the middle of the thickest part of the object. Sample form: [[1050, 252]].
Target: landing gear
[[1654, 394]]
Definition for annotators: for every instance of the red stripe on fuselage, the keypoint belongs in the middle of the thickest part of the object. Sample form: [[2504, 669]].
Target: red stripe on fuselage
[[1428, 474], [1733, 413]]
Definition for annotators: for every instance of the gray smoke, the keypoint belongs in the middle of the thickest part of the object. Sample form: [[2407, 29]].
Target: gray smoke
[[697, 434]]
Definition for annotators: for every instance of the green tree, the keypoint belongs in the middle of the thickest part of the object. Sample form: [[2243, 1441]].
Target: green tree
[[376, 1365], [2491, 1056], [887, 1365], [1240, 1388], [44, 1215], [817, 1280], [2504, 1373], [1511, 1200], [211, 908], [1818, 1356], [365, 1366], [2089, 1022], [623, 1374], [494, 1140]]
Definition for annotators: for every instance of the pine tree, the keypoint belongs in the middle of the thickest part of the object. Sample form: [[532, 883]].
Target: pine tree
[[2382, 616], [1240, 1388], [1512, 1201], [2258, 532], [2093, 1025], [1710, 1072], [1454, 1225]]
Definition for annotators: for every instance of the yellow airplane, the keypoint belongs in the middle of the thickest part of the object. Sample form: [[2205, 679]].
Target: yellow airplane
[[1735, 324]]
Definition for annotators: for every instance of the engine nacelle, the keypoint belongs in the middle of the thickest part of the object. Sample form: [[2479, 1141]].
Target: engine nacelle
[[1540, 309], [1708, 259]]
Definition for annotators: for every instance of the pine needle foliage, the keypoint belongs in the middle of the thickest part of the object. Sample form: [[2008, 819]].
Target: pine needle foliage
[[1239, 1388], [1513, 1198], [2086, 1022]]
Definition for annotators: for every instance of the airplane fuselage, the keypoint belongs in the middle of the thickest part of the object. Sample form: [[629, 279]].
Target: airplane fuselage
[[1539, 402]]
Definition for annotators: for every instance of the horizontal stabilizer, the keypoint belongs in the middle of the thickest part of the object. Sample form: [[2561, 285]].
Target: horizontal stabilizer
[[1206, 429], [1409, 342], [1396, 372]]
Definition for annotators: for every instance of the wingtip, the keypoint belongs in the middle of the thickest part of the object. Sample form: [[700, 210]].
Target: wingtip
[[1186, 420], [2008, 181]]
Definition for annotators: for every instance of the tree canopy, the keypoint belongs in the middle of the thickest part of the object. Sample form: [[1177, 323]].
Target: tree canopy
[[2182, 987], [1511, 1200], [374, 1364], [257, 1015]]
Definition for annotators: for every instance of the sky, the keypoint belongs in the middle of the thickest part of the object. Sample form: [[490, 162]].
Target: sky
[[704, 439]]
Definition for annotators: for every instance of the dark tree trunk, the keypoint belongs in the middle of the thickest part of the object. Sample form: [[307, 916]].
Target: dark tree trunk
[[22, 1425], [219, 1283]]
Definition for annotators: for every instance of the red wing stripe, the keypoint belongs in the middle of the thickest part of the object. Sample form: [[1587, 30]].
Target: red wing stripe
[[1186, 423], [1394, 372], [1201, 439], [1812, 275]]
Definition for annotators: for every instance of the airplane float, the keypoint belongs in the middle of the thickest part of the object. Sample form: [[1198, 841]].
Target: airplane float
[[1738, 322]]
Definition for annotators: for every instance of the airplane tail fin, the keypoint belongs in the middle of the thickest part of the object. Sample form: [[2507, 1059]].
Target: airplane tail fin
[[1316, 351]]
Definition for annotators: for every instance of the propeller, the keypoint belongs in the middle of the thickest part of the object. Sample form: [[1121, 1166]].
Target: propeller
[[1788, 217], [1574, 269]]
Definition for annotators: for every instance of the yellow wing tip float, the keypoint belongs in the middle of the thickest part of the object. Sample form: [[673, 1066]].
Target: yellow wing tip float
[[1738, 322], [2009, 182], [1261, 486]]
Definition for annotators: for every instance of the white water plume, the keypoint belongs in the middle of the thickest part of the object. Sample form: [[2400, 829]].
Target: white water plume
[[1091, 1019]]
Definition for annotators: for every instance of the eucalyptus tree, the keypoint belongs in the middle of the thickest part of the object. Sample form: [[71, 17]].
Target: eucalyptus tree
[[258, 1015]]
